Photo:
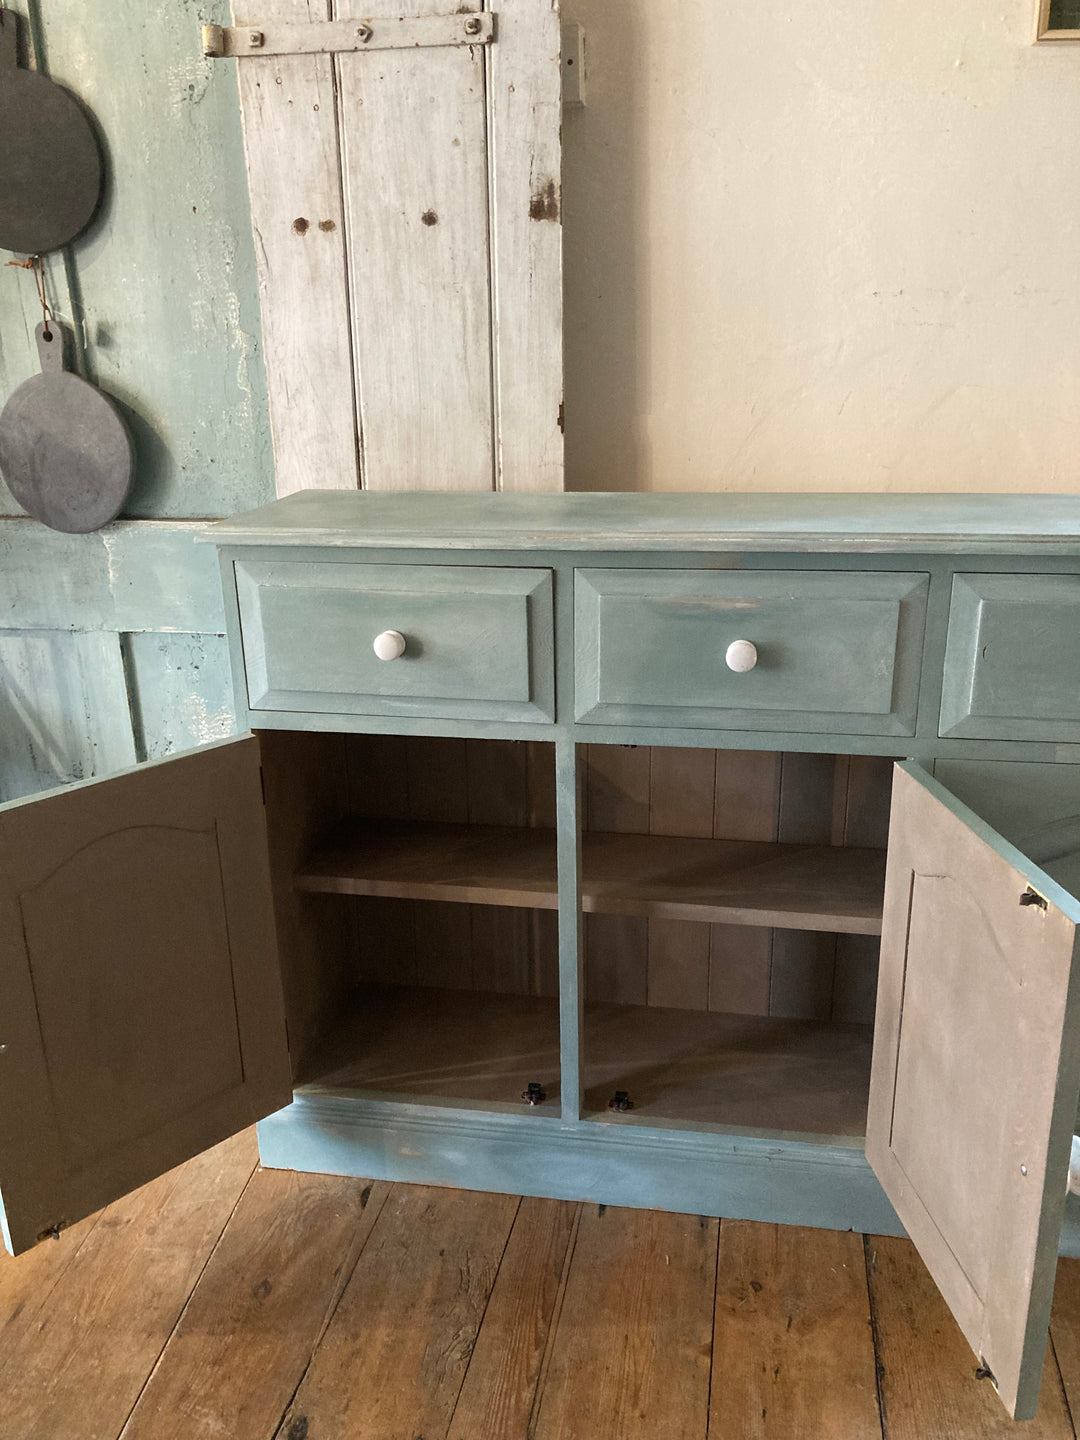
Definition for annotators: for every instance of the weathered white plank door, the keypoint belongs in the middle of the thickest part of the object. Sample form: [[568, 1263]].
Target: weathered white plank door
[[407, 213], [976, 1072]]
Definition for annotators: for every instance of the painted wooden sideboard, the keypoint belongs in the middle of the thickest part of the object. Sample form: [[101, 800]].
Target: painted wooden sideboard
[[558, 861]]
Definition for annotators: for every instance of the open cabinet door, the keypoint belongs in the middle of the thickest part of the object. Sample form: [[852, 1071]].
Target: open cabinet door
[[976, 1072], [141, 1016]]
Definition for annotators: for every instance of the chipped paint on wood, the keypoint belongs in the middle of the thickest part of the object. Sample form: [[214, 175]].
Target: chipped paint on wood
[[544, 204]]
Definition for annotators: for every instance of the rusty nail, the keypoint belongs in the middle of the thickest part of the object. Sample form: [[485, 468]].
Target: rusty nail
[[255, 39], [363, 32], [472, 25]]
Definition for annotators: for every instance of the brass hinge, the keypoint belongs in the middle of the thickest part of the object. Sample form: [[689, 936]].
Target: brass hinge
[[328, 37]]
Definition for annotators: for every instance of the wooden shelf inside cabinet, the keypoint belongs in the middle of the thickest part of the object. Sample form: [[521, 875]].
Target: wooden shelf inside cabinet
[[799, 887], [685, 1065]]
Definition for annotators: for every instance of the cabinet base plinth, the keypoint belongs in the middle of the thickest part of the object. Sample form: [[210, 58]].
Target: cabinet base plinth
[[605, 1161]]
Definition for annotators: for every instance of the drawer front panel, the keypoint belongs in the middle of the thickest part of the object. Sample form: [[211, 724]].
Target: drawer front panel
[[1012, 660], [478, 640], [837, 652]]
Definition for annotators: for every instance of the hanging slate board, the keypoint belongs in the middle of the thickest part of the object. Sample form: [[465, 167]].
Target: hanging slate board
[[50, 166], [64, 451]]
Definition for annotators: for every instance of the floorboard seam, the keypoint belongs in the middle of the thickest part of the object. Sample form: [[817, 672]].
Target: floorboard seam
[[184, 1308], [879, 1364], [347, 1272], [712, 1332], [556, 1316], [483, 1317]]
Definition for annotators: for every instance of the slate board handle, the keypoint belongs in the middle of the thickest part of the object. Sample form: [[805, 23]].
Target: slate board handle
[[50, 352]]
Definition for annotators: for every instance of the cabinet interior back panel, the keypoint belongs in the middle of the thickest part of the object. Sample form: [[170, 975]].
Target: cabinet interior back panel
[[407, 215], [630, 960]]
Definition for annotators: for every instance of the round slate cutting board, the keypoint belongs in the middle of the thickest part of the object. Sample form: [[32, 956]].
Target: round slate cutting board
[[64, 450], [50, 166]]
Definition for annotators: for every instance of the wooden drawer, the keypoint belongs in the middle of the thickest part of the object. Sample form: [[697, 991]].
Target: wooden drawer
[[837, 652], [1012, 660], [478, 640]]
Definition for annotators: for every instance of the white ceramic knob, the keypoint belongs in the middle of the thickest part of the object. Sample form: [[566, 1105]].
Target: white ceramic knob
[[389, 645], [741, 656]]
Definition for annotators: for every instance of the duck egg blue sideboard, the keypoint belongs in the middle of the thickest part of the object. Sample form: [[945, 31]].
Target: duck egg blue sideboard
[[718, 853]]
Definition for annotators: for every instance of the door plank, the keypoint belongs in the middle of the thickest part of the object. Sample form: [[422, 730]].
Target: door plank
[[497, 1396], [294, 180], [976, 1072], [525, 120], [76, 1365], [411, 1312], [793, 1351], [414, 157], [259, 1309], [927, 1374], [631, 1353]]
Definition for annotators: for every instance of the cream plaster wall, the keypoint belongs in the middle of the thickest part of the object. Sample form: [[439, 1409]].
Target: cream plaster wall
[[822, 245]]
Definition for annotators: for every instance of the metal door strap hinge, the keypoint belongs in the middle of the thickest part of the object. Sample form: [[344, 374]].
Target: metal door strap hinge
[[327, 37]]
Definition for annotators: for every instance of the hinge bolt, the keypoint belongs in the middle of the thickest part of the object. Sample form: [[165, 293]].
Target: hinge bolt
[[620, 1101], [472, 25], [256, 39], [364, 33], [534, 1093]]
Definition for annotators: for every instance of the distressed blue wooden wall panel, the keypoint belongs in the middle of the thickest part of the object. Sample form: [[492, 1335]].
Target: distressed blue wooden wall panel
[[63, 710], [162, 285], [137, 576], [180, 690], [112, 649]]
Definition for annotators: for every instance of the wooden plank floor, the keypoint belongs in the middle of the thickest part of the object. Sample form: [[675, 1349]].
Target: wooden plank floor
[[229, 1301]]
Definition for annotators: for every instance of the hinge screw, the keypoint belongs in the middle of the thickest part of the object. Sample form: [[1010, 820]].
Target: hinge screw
[[364, 32], [620, 1101], [472, 25], [534, 1093], [256, 39]]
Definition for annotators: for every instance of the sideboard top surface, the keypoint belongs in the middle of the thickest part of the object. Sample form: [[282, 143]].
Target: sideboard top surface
[[857, 523]]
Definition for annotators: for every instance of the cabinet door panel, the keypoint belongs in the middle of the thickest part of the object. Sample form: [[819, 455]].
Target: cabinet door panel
[[142, 1016], [976, 1071]]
